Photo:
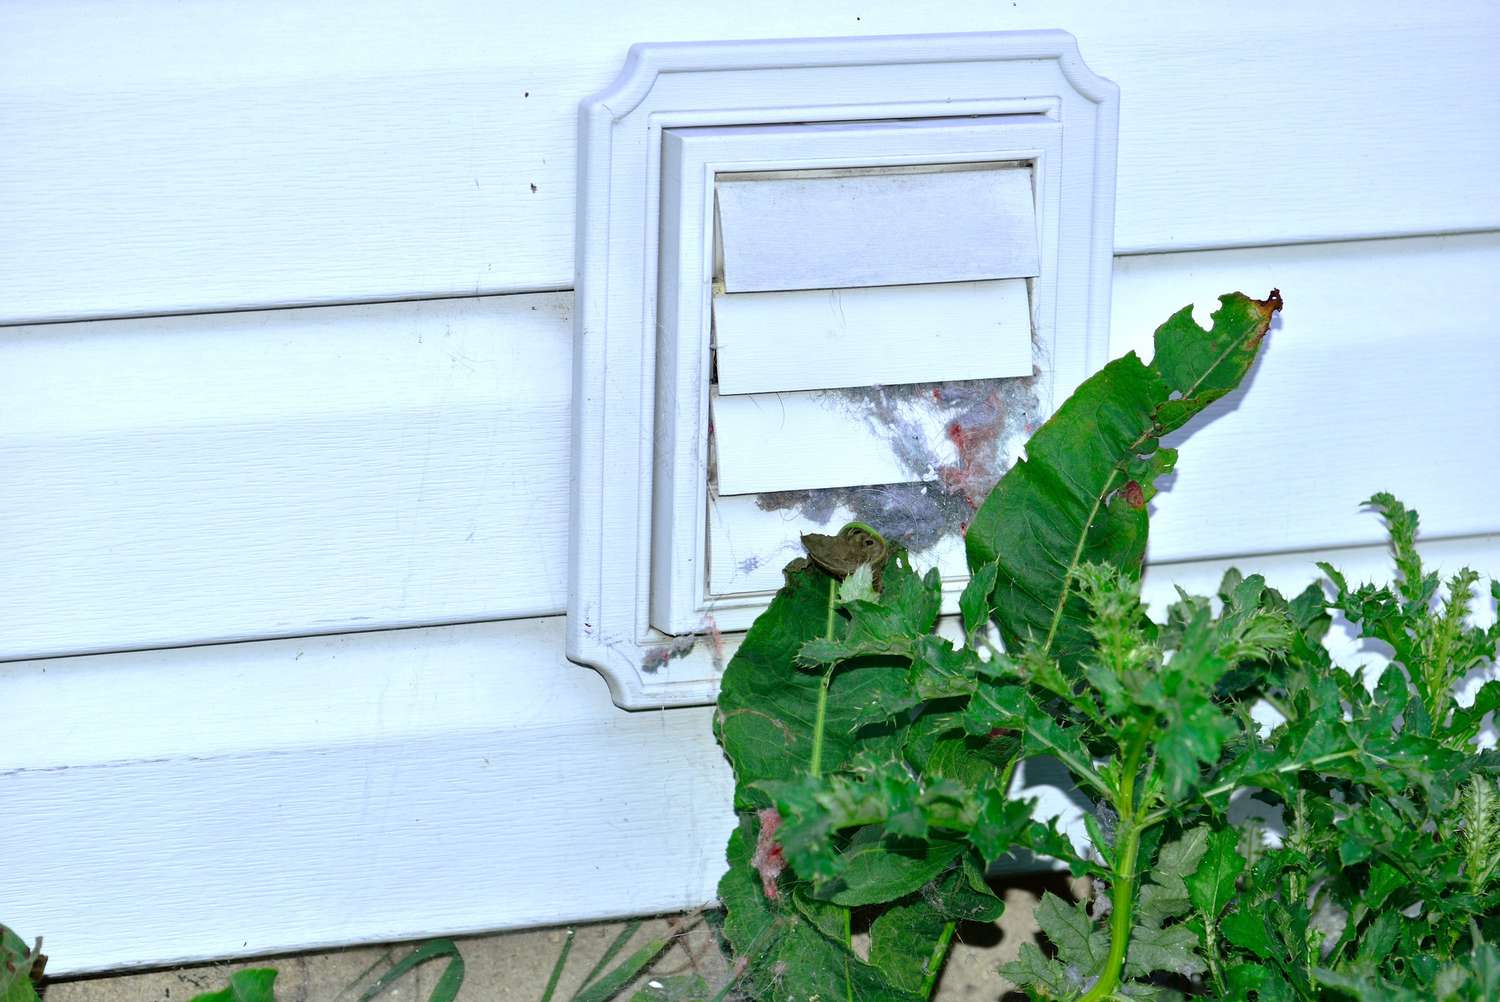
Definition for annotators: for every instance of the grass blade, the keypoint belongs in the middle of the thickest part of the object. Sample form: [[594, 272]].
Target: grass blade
[[446, 989], [629, 969], [557, 968], [625, 934]]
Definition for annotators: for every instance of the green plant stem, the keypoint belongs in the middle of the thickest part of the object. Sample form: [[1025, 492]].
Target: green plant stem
[[1211, 951], [935, 962], [1122, 886], [1008, 773], [815, 763], [1122, 900]]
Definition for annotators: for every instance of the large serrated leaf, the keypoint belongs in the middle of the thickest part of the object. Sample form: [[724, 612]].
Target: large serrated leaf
[[1048, 978], [768, 701], [1172, 949], [1081, 493], [871, 872], [1165, 895], [1080, 943], [1211, 885]]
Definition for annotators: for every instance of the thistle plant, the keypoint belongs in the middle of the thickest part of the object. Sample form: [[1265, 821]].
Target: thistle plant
[[1265, 825]]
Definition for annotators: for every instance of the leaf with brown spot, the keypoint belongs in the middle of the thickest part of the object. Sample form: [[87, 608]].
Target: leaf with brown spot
[[1069, 502]]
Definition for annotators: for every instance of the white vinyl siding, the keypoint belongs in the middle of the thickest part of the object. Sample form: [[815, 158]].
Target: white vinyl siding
[[220, 478], [240, 155]]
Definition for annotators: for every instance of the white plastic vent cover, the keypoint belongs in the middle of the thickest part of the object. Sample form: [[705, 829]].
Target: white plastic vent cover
[[817, 280]]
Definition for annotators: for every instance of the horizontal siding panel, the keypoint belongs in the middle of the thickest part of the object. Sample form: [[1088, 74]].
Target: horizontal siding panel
[[778, 341], [1380, 374], [313, 471], [280, 796], [289, 795], [234, 156], [293, 472]]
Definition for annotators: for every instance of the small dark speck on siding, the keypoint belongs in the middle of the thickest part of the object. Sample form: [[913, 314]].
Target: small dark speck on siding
[[533, 189]]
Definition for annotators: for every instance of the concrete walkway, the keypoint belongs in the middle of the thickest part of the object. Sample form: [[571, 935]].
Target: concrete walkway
[[513, 967]]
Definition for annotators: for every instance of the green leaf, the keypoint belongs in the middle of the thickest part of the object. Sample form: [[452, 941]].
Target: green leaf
[[1211, 885], [963, 895], [1378, 938], [1081, 945], [1384, 879], [907, 608], [20, 967], [1202, 366], [871, 873], [907, 943], [974, 603], [893, 809], [1484, 971], [1009, 707], [828, 918], [255, 985], [1365, 988], [1046, 839], [1467, 720], [1102, 843], [1049, 978], [768, 704], [1055, 510], [859, 585], [16, 988], [783, 953], [1246, 929], [1173, 949], [1165, 896], [1081, 493], [1000, 825], [1267, 984]]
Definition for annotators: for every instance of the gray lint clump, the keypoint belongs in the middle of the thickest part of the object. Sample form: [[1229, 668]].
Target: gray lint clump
[[985, 420]]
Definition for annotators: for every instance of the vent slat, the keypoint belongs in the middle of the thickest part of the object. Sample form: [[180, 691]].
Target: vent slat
[[845, 229], [827, 338]]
